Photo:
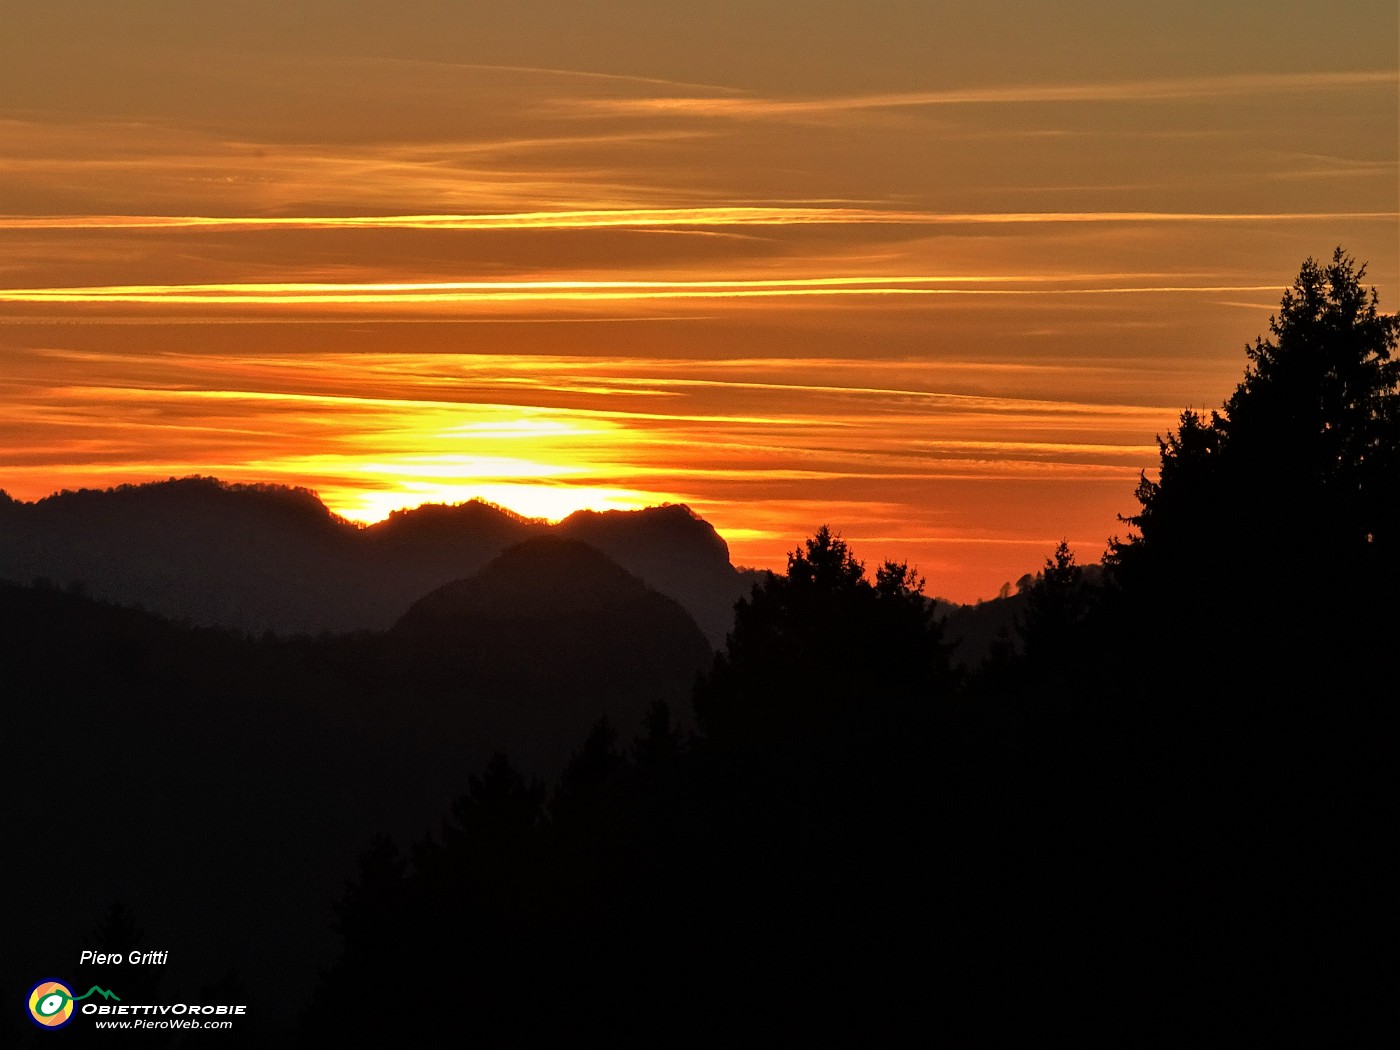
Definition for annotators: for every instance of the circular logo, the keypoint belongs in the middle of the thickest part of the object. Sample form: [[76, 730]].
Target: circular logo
[[51, 1004]]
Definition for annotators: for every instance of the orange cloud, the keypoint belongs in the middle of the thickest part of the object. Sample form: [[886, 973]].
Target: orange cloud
[[1146, 90]]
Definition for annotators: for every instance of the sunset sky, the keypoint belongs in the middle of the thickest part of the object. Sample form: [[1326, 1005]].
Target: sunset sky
[[933, 274]]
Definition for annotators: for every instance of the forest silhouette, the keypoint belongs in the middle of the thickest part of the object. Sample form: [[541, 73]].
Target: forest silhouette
[[1149, 815]]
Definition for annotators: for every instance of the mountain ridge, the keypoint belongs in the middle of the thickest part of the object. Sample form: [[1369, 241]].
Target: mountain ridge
[[262, 557]]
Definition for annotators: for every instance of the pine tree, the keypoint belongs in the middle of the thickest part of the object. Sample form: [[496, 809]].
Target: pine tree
[[1300, 470]]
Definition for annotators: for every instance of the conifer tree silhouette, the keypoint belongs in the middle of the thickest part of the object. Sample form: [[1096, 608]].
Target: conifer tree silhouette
[[814, 645], [1301, 467]]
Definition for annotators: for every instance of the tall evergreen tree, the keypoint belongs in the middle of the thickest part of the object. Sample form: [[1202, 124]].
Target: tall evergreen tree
[[813, 646], [1300, 470]]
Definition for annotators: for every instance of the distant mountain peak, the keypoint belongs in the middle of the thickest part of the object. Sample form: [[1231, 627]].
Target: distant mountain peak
[[197, 490], [472, 508], [435, 521], [542, 577], [666, 524]]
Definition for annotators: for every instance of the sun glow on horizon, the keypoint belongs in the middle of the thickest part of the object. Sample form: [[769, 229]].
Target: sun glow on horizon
[[367, 506], [533, 463], [942, 306], [764, 448]]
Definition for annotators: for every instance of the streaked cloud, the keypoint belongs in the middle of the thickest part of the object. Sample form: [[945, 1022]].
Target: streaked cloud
[[468, 292], [936, 280], [737, 215], [1146, 90]]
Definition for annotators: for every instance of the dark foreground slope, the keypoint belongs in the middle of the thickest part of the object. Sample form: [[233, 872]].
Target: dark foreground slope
[[220, 786]]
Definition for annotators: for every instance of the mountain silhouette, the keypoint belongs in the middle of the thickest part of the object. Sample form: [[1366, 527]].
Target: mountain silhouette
[[269, 557], [541, 579], [647, 543], [557, 634]]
